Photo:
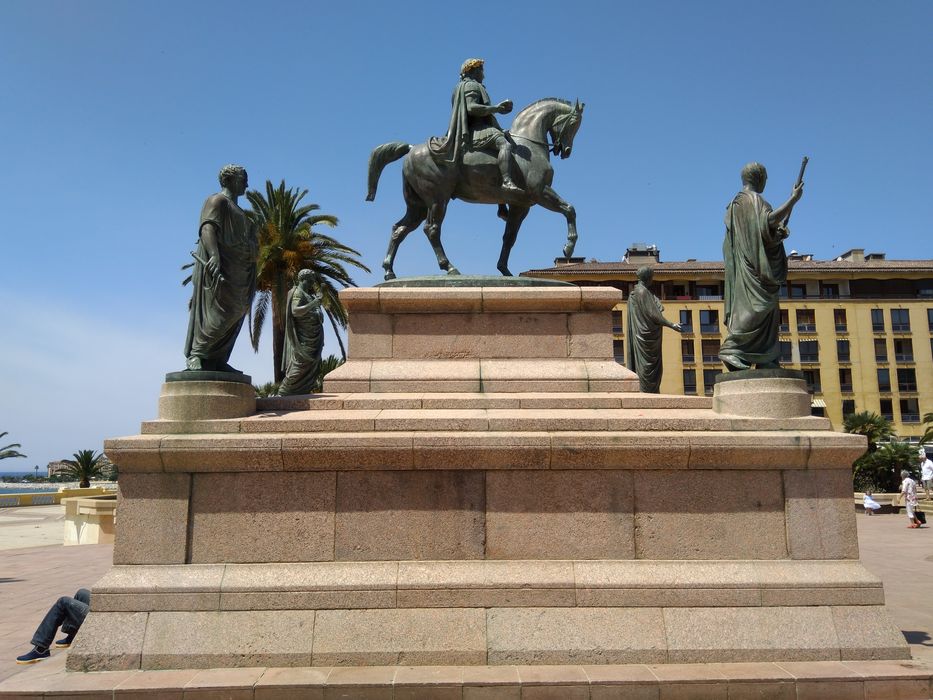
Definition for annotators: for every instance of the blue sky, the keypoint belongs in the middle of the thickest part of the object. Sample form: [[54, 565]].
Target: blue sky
[[118, 115]]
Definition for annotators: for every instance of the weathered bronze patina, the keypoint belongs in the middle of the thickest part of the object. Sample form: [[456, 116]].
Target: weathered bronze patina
[[477, 162], [224, 277], [756, 267], [643, 335], [304, 337]]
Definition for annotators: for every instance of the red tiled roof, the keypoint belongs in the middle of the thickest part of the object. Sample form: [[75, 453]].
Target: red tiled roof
[[823, 266]]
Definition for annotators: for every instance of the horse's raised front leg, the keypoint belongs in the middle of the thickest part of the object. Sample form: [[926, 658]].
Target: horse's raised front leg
[[408, 223], [513, 222], [551, 200], [432, 230]]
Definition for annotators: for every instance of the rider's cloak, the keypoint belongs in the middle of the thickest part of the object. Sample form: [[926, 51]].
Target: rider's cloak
[[465, 132]]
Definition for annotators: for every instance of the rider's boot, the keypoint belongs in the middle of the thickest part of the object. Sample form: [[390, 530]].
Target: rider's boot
[[504, 160]]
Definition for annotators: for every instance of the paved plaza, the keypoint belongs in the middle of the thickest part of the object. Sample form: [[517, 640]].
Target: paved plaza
[[31, 578]]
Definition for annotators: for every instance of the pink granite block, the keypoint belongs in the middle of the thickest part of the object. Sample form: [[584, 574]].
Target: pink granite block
[[618, 450], [138, 453], [329, 451], [260, 517], [153, 519], [481, 450], [291, 684], [202, 453], [544, 299], [358, 300], [384, 515], [370, 336], [737, 515], [820, 518], [565, 514], [589, 335]]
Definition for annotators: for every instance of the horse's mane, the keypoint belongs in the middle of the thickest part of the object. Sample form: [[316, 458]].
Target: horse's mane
[[549, 99]]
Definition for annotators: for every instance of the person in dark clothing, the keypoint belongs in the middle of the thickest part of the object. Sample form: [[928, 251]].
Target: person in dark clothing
[[67, 613]]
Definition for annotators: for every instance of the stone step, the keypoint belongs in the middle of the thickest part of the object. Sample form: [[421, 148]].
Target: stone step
[[779, 680], [486, 584], [166, 449], [366, 401], [485, 419]]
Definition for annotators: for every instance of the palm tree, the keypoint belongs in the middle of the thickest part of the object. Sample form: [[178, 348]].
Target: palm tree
[[85, 466], [8, 451], [328, 364], [264, 391], [873, 426], [927, 433], [287, 244]]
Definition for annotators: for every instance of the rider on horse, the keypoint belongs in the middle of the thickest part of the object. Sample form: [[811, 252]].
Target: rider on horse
[[473, 126]]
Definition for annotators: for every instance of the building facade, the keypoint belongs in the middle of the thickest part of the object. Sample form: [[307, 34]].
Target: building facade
[[860, 327]]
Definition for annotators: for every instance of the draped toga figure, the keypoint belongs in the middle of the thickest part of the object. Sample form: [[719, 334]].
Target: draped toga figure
[[756, 267], [304, 338], [643, 335], [224, 277]]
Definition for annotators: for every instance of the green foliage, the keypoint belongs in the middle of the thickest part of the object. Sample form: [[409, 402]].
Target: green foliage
[[8, 451], [927, 433], [328, 364], [871, 425], [85, 466], [264, 391], [881, 470], [288, 243], [872, 471]]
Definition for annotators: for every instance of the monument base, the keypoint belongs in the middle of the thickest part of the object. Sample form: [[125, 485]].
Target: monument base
[[187, 398], [762, 393]]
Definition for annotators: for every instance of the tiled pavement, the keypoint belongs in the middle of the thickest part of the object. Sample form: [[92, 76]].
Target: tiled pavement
[[32, 578]]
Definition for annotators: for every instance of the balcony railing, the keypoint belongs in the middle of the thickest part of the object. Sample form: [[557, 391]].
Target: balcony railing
[[847, 388], [842, 327], [877, 328], [843, 357], [907, 386], [709, 328], [711, 358], [900, 327], [910, 418], [691, 389], [806, 328], [784, 328], [904, 357], [887, 416], [687, 327], [809, 358], [881, 358], [688, 358], [617, 330], [814, 388], [886, 388], [709, 297]]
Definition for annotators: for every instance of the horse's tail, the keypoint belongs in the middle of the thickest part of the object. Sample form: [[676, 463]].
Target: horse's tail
[[379, 159]]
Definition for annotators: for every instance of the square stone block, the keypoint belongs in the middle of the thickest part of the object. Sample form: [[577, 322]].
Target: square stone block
[[137, 453], [370, 336], [706, 514], [109, 641], [153, 519], [461, 336], [544, 299], [412, 637], [200, 453], [589, 335], [559, 514], [261, 517], [612, 450], [410, 515], [820, 517], [228, 639], [473, 450], [575, 636], [329, 451], [703, 635], [867, 632]]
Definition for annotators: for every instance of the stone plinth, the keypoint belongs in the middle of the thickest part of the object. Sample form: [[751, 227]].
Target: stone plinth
[[480, 339], [191, 395], [762, 393], [473, 519]]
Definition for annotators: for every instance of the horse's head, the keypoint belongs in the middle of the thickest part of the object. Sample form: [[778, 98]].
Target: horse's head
[[565, 128]]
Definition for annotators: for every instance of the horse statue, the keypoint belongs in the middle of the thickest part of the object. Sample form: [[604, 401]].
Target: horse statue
[[429, 185]]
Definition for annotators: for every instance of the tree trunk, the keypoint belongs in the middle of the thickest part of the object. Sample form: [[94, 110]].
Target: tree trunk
[[85, 484], [278, 333]]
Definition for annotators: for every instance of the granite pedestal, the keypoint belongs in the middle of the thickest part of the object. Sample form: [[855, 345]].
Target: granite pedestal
[[481, 485]]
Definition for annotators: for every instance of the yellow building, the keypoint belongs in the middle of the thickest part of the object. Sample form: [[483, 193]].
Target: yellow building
[[860, 327]]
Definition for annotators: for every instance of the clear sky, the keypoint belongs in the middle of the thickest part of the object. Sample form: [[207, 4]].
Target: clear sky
[[116, 117]]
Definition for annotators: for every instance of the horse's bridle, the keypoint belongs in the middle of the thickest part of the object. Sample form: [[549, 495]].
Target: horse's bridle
[[565, 121]]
